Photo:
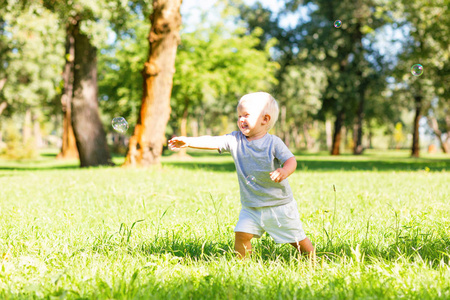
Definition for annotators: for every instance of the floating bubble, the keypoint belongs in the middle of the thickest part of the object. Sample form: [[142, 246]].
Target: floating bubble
[[338, 23], [120, 124], [250, 180], [417, 70]]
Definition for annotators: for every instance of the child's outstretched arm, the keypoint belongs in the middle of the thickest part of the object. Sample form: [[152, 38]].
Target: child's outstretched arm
[[202, 142], [288, 168]]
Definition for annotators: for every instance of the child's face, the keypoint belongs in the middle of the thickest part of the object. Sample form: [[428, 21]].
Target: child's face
[[251, 121]]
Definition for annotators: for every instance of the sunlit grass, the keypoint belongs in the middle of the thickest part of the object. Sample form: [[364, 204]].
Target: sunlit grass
[[167, 233]]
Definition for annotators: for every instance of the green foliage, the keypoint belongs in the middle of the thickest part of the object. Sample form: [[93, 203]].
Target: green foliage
[[325, 70], [427, 23], [352, 64], [98, 18], [312, 68], [34, 61], [215, 66], [399, 137], [301, 90], [120, 78], [15, 147]]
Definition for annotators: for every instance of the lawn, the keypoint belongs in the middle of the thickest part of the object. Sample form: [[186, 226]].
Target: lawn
[[167, 232]]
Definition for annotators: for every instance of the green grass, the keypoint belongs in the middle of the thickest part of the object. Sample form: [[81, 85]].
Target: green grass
[[167, 233]]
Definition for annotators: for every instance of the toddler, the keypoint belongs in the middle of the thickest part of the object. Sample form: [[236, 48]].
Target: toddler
[[263, 163]]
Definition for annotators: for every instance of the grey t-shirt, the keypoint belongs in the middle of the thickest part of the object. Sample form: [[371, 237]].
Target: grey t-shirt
[[254, 161]]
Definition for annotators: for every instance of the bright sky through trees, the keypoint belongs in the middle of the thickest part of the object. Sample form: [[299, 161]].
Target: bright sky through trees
[[192, 9]]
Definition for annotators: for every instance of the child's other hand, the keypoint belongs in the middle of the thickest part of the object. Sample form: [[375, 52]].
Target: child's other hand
[[177, 143], [279, 175]]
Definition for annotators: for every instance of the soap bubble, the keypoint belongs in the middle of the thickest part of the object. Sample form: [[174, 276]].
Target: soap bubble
[[417, 70], [338, 23], [120, 124], [250, 180]]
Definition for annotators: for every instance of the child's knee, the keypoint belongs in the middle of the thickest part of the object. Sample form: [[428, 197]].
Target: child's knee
[[305, 246], [243, 236]]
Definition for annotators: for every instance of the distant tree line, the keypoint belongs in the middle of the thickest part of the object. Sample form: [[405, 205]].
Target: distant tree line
[[83, 63]]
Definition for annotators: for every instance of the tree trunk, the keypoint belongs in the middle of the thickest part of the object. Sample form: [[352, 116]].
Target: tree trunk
[[89, 133], [415, 144], [69, 147], [329, 134], [434, 125], [3, 104], [369, 139], [338, 124], [183, 128], [308, 139], [357, 128], [27, 127], [447, 128], [447, 122], [297, 138], [344, 136], [145, 146], [37, 132], [194, 127], [201, 123]]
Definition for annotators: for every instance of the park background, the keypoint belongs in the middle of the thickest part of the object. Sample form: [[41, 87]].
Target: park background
[[340, 89], [371, 141]]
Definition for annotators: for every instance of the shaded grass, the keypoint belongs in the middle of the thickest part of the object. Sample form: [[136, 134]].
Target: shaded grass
[[210, 160], [167, 233], [371, 161], [47, 161]]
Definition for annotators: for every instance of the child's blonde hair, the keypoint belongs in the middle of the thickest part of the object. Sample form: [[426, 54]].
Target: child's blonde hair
[[270, 106]]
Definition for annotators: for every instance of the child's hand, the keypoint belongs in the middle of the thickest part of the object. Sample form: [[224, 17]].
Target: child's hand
[[178, 142], [279, 175]]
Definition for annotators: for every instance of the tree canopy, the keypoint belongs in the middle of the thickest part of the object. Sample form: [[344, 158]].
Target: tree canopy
[[356, 77]]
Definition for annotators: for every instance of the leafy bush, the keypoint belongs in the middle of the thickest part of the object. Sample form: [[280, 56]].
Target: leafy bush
[[15, 147]]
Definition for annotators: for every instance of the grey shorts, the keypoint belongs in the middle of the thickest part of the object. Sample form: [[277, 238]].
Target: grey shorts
[[281, 222]]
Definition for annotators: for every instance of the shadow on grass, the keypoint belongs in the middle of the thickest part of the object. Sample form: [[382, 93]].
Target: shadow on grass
[[194, 249], [212, 161], [49, 154], [433, 251], [328, 163], [426, 247], [207, 166], [39, 168], [374, 165], [47, 162], [173, 242]]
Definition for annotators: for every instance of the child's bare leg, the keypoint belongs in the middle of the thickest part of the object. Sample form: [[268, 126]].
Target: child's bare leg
[[305, 247], [242, 244]]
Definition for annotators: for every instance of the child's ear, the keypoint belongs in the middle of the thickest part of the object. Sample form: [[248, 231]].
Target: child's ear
[[266, 119]]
